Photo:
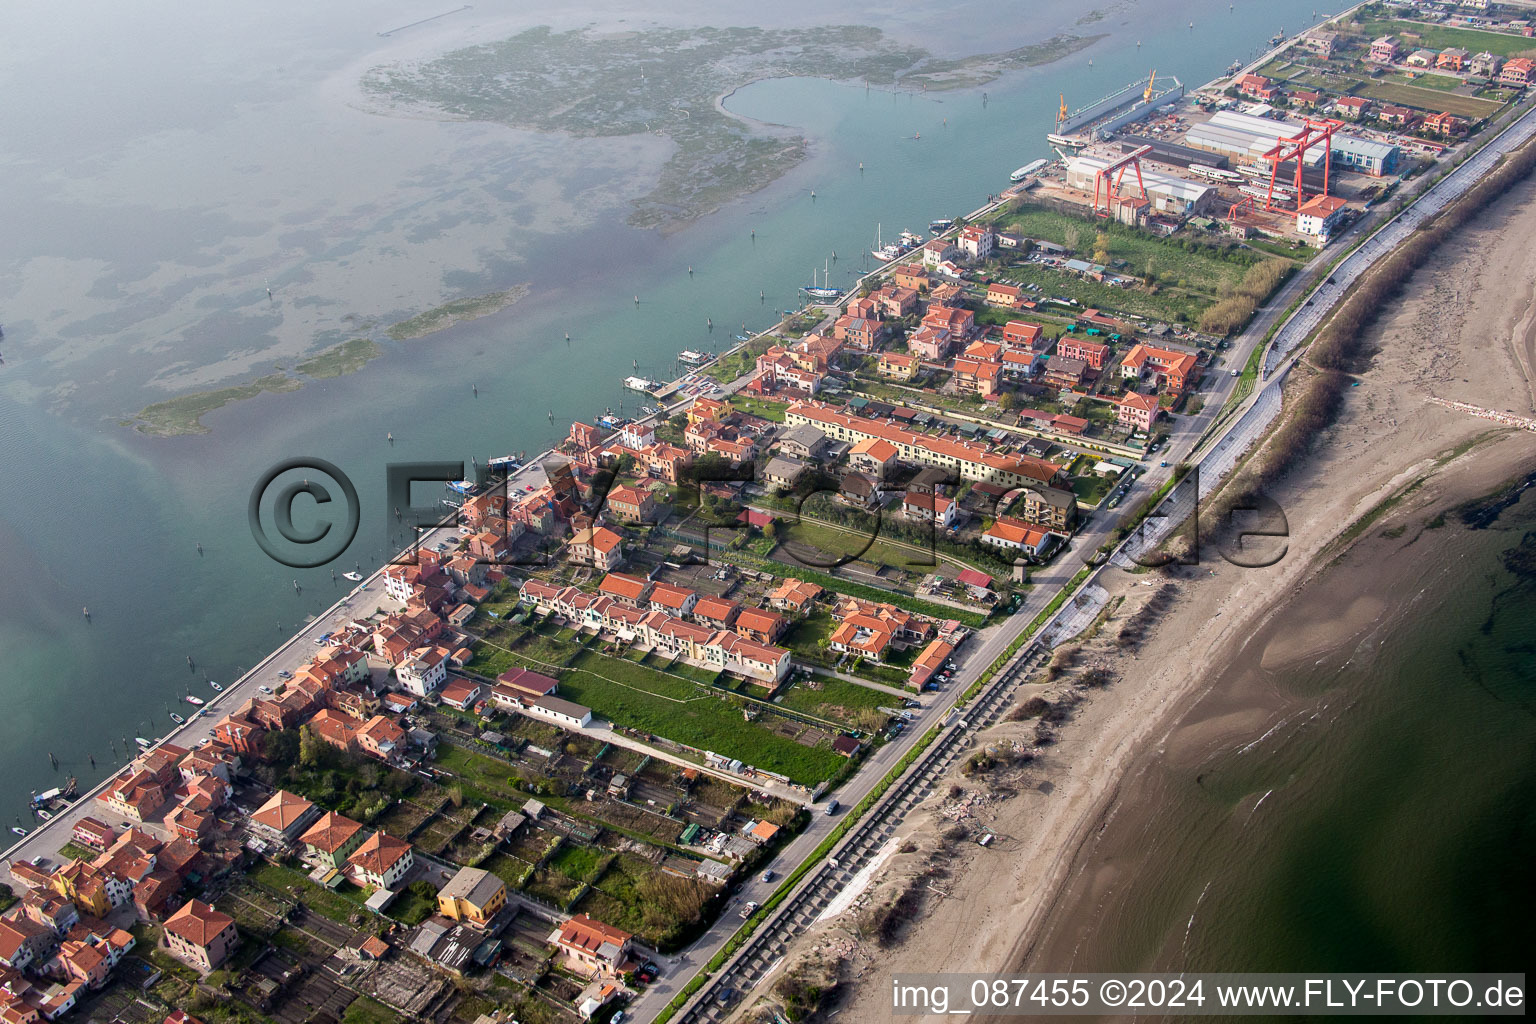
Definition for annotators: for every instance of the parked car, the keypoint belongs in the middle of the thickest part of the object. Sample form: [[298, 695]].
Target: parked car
[[748, 910], [264, 689]]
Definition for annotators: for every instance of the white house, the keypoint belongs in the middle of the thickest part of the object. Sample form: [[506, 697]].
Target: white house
[[637, 435], [977, 241], [382, 861], [424, 672], [929, 508], [1319, 216], [1014, 536], [559, 711]]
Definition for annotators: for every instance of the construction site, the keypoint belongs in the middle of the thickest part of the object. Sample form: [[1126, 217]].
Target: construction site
[[1149, 157]]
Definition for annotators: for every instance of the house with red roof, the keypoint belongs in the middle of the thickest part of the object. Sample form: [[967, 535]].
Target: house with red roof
[[673, 600], [461, 693], [765, 627], [200, 936], [592, 947], [1137, 411], [1015, 536], [716, 612], [928, 507], [381, 861], [627, 590], [286, 815], [929, 662], [331, 840], [1174, 371]]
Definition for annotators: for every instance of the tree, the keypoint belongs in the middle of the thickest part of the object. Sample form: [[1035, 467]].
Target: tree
[[1070, 237], [281, 747], [771, 530], [310, 747], [1101, 248], [1008, 401]]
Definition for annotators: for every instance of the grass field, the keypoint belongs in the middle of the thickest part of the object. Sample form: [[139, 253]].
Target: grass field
[[818, 546], [827, 697], [1440, 83], [1432, 100], [641, 698], [1414, 35], [760, 407], [338, 905], [1090, 489], [1189, 278]]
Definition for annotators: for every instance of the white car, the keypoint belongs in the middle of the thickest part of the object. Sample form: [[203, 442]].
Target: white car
[[264, 689]]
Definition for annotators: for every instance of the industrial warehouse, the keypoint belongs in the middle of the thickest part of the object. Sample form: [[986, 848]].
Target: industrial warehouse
[[1264, 151]]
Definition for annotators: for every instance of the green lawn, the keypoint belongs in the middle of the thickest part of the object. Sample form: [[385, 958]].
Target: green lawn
[[1431, 100], [1445, 83], [411, 909], [1190, 277], [338, 905], [760, 407], [640, 698], [1090, 489], [1413, 35], [821, 546], [579, 862], [828, 697]]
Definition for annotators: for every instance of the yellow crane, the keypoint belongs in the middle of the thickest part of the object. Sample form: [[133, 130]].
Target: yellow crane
[[1061, 115], [1146, 97]]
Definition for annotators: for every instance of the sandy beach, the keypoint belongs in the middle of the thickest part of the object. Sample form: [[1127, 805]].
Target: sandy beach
[[1464, 329]]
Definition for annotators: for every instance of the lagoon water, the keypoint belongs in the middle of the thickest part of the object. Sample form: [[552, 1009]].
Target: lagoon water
[[165, 163]]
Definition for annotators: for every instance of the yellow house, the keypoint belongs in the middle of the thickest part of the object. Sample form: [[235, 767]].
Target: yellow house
[[83, 885], [472, 896], [898, 366]]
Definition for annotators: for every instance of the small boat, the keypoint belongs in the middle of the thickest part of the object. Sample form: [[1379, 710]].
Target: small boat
[[942, 224], [46, 815], [215, 685], [824, 291], [193, 700], [691, 357], [462, 486], [18, 830], [355, 577], [141, 741], [644, 385], [1030, 168], [178, 719]]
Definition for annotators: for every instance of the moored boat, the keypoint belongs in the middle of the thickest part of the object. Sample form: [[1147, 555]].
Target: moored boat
[[192, 700], [178, 719]]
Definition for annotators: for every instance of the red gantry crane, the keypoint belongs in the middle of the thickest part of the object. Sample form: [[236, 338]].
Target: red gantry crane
[[1312, 132], [1108, 181]]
